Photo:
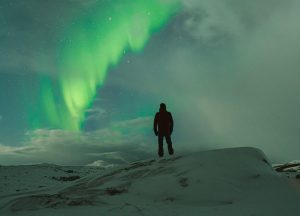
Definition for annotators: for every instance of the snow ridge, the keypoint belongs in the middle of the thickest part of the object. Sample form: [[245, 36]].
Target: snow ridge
[[237, 181]]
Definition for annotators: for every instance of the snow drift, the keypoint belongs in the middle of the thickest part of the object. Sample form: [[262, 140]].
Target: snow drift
[[237, 181]]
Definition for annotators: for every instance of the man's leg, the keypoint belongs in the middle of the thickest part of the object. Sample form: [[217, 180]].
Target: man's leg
[[169, 142], [160, 145]]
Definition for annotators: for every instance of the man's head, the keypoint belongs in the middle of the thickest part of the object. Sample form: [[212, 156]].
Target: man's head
[[162, 107]]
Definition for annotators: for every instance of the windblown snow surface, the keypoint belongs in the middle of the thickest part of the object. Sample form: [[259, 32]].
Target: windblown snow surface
[[226, 182]]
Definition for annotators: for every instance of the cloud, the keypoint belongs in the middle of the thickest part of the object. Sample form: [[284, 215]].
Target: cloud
[[4, 149], [209, 22], [230, 72], [122, 142], [95, 113], [251, 98]]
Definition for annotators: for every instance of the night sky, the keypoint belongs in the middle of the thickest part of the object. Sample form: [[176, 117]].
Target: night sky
[[81, 80]]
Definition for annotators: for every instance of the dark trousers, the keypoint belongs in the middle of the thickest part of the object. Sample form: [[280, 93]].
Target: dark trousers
[[160, 144]]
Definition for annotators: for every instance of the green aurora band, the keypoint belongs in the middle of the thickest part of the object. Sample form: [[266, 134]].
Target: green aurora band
[[92, 43]]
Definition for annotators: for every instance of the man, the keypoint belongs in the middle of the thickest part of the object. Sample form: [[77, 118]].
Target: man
[[163, 127]]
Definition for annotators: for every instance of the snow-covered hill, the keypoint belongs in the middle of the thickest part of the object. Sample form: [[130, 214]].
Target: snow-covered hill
[[237, 181]]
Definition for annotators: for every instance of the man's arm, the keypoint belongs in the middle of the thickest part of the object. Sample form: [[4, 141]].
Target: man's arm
[[171, 123], [155, 122]]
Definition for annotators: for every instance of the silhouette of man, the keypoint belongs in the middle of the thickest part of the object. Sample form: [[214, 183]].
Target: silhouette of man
[[163, 127]]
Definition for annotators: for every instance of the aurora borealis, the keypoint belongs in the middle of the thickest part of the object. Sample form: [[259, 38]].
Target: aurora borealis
[[80, 80], [92, 43]]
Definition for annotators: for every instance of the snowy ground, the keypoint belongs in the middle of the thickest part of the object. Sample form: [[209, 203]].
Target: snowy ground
[[233, 182]]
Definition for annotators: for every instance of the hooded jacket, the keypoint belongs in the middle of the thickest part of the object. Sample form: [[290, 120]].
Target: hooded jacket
[[163, 122]]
